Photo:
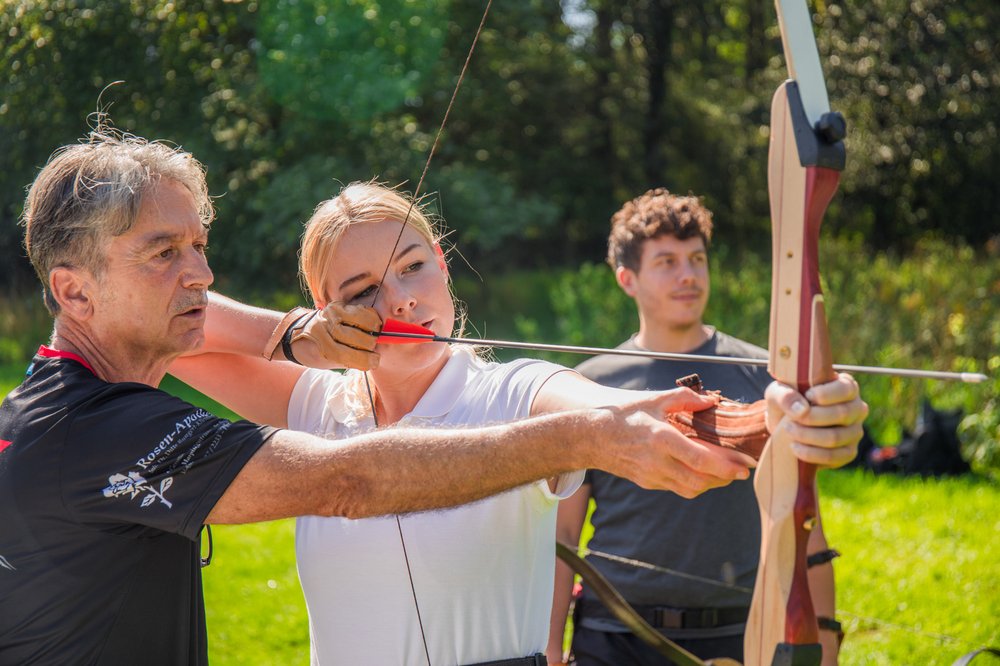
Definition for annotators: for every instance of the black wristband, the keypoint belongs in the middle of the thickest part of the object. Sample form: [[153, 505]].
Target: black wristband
[[286, 339], [829, 624], [822, 557]]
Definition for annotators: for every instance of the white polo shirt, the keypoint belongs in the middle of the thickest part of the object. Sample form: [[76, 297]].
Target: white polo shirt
[[482, 572]]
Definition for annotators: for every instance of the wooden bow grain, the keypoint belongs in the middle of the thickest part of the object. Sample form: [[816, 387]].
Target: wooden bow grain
[[804, 162]]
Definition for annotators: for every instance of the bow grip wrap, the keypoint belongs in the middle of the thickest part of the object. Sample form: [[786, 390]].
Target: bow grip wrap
[[730, 424]]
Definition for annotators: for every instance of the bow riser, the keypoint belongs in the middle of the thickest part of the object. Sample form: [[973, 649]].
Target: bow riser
[[803, 176]]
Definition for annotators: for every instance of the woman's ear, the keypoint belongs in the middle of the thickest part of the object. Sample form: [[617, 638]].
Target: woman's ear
[[442, 264]]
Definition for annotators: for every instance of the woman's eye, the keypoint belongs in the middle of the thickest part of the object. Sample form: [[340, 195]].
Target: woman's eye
[[367, 292], [415, 266]]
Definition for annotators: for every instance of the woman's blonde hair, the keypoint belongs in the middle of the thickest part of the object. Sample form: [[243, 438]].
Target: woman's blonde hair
[[357, 203]]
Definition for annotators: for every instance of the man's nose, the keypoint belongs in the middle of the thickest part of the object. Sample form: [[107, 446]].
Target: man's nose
[[686, 272], [196, 271]]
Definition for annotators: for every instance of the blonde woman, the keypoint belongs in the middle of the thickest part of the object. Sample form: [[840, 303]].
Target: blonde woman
[[468, 585]]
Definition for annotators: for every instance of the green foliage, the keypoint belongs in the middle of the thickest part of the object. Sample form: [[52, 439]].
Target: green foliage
[[919, 83], [24, 324], [501, 214], [566, 110], [345, 59]]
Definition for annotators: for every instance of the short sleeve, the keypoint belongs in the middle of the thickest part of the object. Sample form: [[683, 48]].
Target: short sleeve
[[566, 485], [137, 460], [523, 381]]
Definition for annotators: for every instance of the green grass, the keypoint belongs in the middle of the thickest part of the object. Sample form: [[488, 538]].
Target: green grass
[[255, 610], [919, 580], [917, 583]]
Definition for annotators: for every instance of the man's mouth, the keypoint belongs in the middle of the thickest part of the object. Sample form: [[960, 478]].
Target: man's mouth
[[194, 311]]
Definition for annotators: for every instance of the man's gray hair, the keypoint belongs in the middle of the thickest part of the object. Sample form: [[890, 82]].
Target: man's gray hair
[[92, 191]]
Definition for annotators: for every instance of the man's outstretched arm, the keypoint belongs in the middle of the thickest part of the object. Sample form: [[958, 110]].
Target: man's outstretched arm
[[401, 470]]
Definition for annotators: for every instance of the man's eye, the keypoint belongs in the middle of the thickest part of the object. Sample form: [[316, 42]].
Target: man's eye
[[201, 248], [166, 253]]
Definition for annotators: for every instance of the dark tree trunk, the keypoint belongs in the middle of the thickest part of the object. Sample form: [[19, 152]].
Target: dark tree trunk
[[755, 60], [604, 140], [658, 40]]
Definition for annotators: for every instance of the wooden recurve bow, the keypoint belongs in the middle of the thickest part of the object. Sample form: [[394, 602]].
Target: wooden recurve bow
[[805, 159]]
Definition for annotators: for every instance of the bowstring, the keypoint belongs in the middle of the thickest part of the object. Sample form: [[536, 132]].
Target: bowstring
[[639, 564], [878, 623], [378, 290]]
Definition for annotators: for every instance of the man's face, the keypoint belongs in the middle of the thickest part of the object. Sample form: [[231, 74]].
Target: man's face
[[153, 294], [671, 286]]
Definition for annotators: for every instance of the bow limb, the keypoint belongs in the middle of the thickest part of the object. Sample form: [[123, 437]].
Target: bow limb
[[804, 162], [623, 611]]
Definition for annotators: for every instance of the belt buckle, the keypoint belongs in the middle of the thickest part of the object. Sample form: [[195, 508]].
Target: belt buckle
[[538, 659], [665, 617]]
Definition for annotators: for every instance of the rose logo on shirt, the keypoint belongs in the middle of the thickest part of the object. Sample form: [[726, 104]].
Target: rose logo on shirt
[[134, 484]]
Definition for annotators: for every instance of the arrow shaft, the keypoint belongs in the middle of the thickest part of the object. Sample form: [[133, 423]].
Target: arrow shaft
[[969, 377]]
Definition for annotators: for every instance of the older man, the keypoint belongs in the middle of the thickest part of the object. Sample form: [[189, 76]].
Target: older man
[[106, 481]]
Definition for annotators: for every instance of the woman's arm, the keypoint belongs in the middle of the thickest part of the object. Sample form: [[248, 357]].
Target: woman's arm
[[571, 390], [256, 389], [233, 367]]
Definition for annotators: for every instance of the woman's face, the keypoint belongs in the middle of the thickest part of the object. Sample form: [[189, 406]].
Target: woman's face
[[415, 289]]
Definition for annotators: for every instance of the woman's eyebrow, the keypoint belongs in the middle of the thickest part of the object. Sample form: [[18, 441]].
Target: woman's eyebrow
[[361, 276], [407, 249]]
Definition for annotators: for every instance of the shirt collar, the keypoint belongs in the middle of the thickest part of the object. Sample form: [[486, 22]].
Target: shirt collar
[[442, 395], [48, 352], [439, 398]]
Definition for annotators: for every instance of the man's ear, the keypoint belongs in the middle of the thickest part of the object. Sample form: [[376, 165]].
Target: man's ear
[[626, 278], [72, 289]]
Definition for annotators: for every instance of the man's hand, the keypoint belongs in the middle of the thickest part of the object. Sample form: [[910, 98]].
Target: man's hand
[[655, 455], [824, 426], [339, 336]]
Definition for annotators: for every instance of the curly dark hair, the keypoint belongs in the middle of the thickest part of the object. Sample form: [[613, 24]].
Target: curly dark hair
[[656, 213]]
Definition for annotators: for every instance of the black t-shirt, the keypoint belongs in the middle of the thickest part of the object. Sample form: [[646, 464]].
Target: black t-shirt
[[714, 536], [103, 492]]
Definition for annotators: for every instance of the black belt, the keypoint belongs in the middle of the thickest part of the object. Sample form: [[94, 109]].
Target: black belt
[[667, 617], [534, 660]]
